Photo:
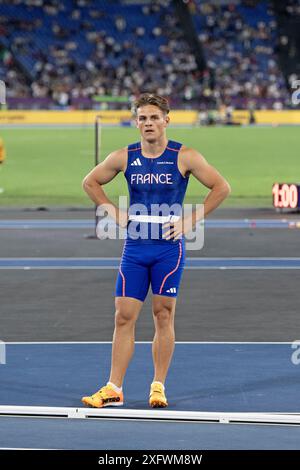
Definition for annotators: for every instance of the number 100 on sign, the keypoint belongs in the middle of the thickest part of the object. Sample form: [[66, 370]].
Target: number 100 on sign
[[286, 195]]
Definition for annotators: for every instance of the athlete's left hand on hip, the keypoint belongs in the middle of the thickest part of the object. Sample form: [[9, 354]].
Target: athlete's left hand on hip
[[175, 230]]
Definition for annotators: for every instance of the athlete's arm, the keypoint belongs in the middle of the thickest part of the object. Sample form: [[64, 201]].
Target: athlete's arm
[[206, 174], [192, 162], [102, 174]]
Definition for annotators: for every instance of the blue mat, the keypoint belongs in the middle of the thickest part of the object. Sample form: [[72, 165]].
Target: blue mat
[[203, 377]]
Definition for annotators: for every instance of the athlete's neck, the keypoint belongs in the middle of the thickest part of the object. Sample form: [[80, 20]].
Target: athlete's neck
[[154, 149]]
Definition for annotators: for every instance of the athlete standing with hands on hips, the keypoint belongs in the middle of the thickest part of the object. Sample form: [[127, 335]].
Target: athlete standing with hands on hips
[[157, 172]]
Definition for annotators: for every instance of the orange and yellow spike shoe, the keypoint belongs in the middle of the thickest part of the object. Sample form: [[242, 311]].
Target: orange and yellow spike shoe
[[157, 397], [106, 396]]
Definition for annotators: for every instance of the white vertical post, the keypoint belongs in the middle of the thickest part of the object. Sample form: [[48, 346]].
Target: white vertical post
[[2, 92], [98, 136], [2, 352]]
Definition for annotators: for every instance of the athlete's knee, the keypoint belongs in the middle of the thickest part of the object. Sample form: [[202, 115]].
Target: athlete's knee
[[124, 316], [163, 315]]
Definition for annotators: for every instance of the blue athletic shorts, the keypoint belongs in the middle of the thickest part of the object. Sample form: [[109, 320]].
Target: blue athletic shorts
[[160, 264]]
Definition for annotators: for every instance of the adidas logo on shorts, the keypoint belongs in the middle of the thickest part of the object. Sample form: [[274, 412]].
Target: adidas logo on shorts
[[172, 290], [136, 162]]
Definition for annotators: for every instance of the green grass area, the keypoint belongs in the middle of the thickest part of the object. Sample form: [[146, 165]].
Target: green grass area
[[46, 166]]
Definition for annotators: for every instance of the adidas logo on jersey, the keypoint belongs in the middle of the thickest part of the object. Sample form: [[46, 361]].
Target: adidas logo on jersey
[[136, 162], [172, 290]]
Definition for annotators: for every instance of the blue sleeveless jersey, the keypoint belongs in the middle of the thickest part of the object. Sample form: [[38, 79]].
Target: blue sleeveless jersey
[[156, 191]]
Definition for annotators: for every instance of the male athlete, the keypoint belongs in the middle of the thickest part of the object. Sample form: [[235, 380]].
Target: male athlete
[[157, 172]]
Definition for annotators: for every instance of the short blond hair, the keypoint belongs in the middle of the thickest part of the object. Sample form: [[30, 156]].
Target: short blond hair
[[150, 98]]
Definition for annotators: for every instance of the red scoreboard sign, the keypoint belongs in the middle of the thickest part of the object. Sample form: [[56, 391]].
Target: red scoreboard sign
[[286, 195]]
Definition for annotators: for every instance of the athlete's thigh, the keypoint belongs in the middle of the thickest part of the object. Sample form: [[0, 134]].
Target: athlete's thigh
[[133, 278], [166, 272]]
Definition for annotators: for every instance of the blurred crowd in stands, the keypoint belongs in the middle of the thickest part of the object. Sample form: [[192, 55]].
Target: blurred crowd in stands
[[57, 54]]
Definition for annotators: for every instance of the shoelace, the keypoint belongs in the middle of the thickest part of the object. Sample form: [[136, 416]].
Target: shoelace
[[157, 389], [103, 393]]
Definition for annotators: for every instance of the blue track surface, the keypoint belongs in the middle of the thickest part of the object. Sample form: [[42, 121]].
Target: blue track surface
[[133, 435], [204, 377]]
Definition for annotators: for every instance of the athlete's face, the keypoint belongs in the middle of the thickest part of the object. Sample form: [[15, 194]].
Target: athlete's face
[[152, 122]]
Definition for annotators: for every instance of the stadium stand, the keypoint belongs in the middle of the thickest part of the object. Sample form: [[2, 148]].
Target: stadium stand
[[57, 55]]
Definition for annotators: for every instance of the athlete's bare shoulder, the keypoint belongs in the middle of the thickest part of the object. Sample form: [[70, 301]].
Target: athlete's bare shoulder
[[117, 159], [189, 153], [188, 159], [106, 170], [193, 162]]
